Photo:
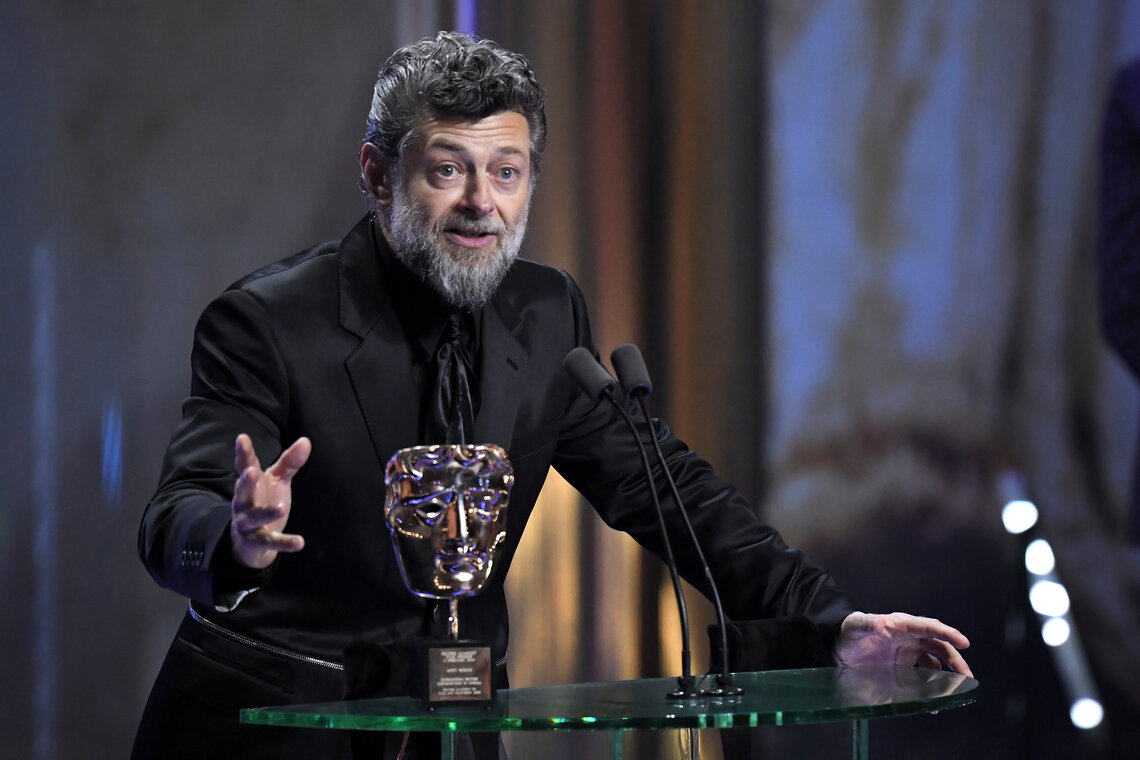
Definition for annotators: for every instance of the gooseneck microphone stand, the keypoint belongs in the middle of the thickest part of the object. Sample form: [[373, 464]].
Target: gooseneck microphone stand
[[634, 375], [592, 377]]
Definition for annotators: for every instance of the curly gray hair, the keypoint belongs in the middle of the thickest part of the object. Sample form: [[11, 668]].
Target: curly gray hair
[[453, 75]]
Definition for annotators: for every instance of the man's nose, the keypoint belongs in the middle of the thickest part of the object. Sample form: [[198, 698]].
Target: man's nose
[[477, 194]]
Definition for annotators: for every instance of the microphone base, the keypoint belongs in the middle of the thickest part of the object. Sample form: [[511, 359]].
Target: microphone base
[[725, 688], [686, 689]]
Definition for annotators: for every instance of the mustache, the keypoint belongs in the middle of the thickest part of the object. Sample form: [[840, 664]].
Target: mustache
[[464, 224]]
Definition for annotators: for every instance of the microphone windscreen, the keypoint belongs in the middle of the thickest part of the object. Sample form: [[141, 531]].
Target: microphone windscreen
[[590, 375], [631, 370]]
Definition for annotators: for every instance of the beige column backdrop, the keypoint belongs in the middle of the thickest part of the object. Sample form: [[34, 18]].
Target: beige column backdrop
[[664, 219], [592, 589]]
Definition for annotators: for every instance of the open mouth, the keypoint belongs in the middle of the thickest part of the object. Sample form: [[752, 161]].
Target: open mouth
[[470, 238]]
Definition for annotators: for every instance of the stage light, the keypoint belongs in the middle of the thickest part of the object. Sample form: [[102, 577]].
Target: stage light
[[1055, 631], [1049, 598], [1039, 557], [1019, 516], [1086, 713], [1051, 604]]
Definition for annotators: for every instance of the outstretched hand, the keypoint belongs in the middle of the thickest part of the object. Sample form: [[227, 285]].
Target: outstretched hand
[[261, 503], [900, 639]]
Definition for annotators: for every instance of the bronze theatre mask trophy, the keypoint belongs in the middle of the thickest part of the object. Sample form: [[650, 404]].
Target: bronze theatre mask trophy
[[446, 507]]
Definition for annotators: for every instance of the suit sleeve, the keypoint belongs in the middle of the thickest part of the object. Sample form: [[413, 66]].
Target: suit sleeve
[[758, 575], [238, 385]]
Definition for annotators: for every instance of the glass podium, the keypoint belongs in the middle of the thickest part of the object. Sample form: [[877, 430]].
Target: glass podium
[[773, 698]]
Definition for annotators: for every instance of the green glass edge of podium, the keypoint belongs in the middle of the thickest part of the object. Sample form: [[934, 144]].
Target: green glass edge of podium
[[771, 698]]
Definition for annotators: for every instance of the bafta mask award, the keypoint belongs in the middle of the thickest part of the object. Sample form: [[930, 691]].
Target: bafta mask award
[[446, 507]]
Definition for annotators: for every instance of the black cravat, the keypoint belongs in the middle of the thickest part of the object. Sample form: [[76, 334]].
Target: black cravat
[[452, 410]]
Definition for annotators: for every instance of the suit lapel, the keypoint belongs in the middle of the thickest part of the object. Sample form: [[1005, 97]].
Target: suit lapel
[[503, 364], [381, 366]]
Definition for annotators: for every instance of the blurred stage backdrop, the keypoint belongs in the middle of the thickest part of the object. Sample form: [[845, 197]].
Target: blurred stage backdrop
[[854, 238]]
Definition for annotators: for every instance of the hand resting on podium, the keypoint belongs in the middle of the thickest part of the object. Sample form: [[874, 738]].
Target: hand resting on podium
[[900, 639]]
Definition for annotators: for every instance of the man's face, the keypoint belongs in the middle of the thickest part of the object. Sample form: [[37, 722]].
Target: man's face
[[446, 507], [459, 201]]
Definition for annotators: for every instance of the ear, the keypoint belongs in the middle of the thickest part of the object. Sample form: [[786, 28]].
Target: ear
[[375, 175]]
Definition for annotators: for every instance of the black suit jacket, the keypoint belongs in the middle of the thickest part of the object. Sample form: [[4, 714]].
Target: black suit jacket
[[312, 346]]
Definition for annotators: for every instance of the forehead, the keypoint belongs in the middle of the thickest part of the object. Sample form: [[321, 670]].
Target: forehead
[[503, 132]]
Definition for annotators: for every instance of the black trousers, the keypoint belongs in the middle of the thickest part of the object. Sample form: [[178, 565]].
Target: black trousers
[[207, 679]]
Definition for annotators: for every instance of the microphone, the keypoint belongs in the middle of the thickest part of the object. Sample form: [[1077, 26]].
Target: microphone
[[599, 385], [634, 377], [589, 374]]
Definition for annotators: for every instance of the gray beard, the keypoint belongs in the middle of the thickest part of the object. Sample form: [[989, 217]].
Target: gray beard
[[466, 279]]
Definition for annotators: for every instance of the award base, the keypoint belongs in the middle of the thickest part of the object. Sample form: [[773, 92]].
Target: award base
[[450, 672]]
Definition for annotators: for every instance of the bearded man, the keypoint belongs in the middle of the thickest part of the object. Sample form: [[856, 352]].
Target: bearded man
[[327, 363]]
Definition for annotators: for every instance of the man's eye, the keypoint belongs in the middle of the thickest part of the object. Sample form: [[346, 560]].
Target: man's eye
[[447, 171], [508, 173]]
